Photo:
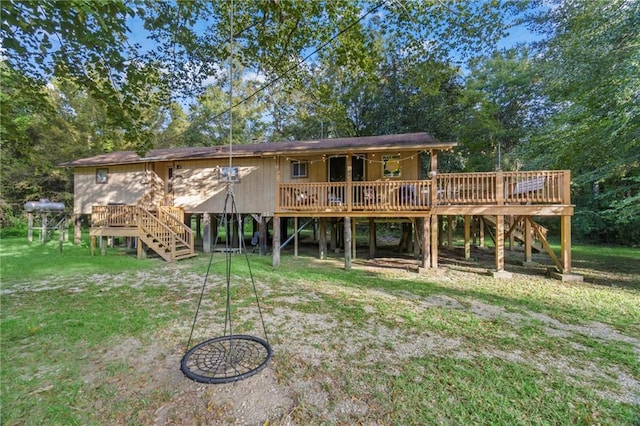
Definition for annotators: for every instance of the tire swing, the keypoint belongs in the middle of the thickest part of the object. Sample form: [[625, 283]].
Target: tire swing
[[230, 357]]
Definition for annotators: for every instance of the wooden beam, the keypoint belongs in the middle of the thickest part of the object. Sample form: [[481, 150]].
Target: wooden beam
[[426, 242], [565, 231], [206, 230], [545, 244], [434, 241], [322, 240], [467, 236], [566, 187], [295, 237], [528, 240], [77, 229], [347, 243], [275, 261], [278, 180], [515, 210], [512, 226], [434, 160], [349, 194], [499, 243], [500, 188], [372, 238]]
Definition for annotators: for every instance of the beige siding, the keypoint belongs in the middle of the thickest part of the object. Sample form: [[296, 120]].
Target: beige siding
[[317, 169], [408, 162], [125, 184], [318, 166], [197, 189]]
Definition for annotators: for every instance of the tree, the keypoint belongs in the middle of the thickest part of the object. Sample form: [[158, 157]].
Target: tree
[[591, 74], [91, 42], [501, 102], [29, 142]]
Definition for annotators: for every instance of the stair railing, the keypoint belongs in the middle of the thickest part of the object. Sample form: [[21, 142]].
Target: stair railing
[[177, 225]]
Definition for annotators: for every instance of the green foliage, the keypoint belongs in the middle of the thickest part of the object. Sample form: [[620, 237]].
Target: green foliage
[[12, 223], [591, 74], [91, 43], [500, 104], [31, 133]]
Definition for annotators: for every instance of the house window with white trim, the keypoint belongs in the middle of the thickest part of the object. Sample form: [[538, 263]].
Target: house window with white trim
[[299, 169], [102, 175]]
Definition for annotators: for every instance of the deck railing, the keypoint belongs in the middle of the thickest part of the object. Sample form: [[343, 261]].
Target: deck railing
[[498, 188], [490, 188], [165, 224], [356, 196], [114, 216], [173, 218]]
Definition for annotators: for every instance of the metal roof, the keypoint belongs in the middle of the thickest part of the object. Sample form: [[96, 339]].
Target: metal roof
[[419, 141]]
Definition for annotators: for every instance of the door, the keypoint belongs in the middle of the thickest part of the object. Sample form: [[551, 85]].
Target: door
[[338, 169]]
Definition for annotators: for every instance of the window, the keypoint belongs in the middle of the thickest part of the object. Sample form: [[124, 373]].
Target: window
[[102, 175], [229, 174], [391, 166], [299, 169]]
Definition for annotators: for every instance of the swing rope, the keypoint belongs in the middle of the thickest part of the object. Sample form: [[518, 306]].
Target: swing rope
[[230, 357]]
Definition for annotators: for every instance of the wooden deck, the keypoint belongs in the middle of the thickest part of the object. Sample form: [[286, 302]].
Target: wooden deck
[[509, 193]]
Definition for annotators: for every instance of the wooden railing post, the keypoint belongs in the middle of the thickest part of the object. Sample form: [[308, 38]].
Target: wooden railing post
[[434, 189], [278, 198], [499, 188], [566, 187], [348, 197]]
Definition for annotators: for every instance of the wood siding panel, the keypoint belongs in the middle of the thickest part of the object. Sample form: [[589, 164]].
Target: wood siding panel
[[125, 184], [197, 189], [409, 165], [318, 166]]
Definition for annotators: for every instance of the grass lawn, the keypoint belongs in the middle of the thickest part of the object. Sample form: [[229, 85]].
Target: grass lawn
[[98, 340]]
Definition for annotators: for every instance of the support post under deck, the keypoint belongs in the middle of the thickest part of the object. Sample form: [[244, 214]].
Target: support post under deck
[[275, 262], [434, 241], [206, 229], [499, 255], [322, 240], [347, 243], [467, 236], [372, 238]]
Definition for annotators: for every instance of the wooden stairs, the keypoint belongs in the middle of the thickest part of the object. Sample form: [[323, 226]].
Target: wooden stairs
[[161, 229]]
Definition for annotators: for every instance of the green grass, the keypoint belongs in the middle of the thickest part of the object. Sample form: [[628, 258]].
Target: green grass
[[21, 260], [97, 340]]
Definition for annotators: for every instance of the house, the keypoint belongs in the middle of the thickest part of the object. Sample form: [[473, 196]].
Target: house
[[342, 180]]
